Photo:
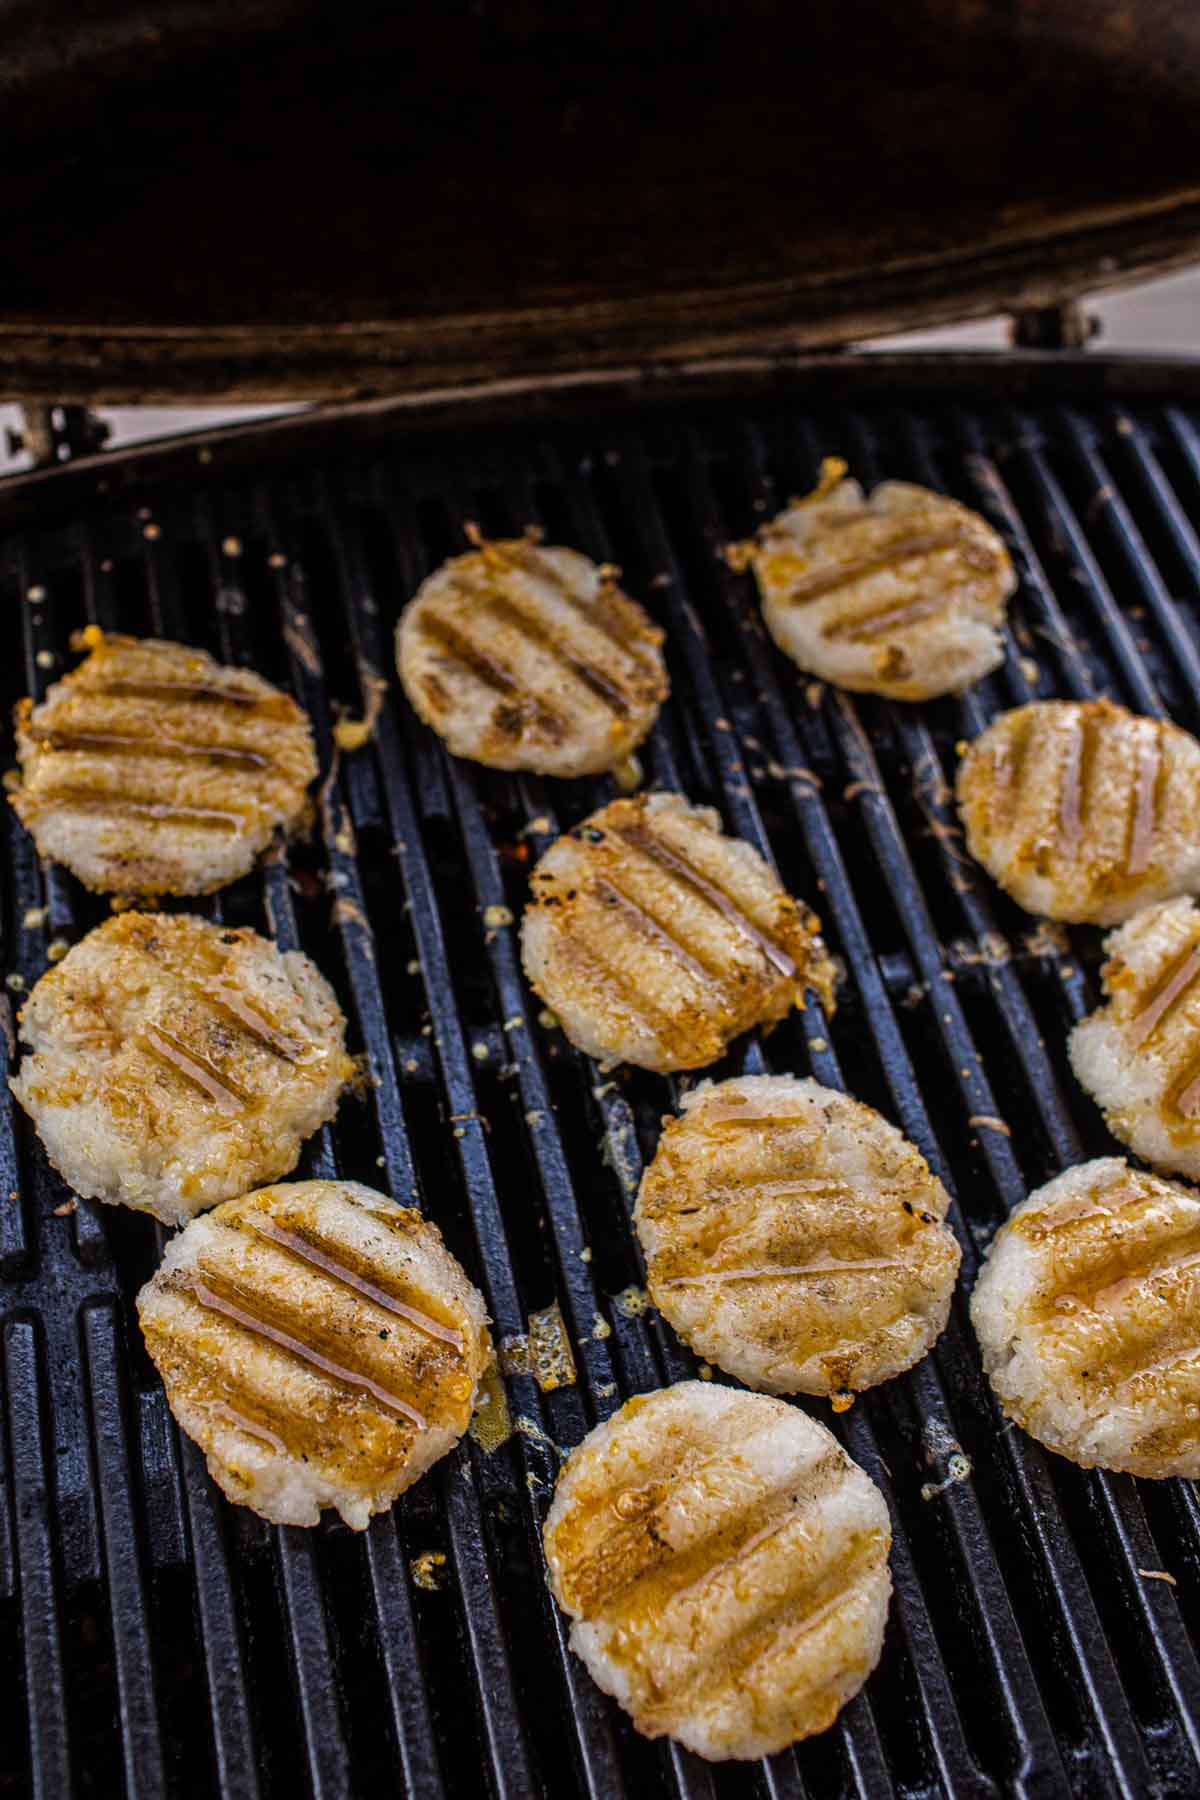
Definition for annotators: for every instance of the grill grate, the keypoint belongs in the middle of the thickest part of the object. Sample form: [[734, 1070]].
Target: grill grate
[[155, 1637]]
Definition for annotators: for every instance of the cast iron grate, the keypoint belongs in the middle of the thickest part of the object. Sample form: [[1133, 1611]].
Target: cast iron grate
[[153, 1637]]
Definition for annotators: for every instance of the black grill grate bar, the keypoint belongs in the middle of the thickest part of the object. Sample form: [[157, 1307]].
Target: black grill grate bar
[[1186, 439], [1118, 1496], [1109, 513], [308, 1631], [1110, 1710], [857, 1728], [408, 1695], [997, 993], [862, 1745], [1026, 1717], [1063, 527], [992, 498], [1168, 510], [328, 1753], [861, 1741], [41, 1621], [1123, 1506], [234, 1744], [75, 1249], [583, 1304], [138, 1709], [593, 1740], [299, 1576], [1013, 1005]]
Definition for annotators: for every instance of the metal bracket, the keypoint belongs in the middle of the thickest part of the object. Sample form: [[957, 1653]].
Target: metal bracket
[[1064, 326], [55, 434]]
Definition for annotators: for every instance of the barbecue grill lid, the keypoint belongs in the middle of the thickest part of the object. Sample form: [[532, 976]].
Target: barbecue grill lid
[[287, 199]]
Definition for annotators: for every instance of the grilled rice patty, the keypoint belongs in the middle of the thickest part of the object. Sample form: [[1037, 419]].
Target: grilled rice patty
[[902, 593], [172, 1063], [725, 1565], [795, 1238], [656, 939], [1083, 811], [151, 769], [524, 656], [320, 1344], [1088, 1316], [1139, 1055]]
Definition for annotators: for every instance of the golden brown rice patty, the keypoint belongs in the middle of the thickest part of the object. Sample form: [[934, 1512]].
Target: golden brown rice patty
[[172, 1063], [1088, 1315], [152, 769], [902, 593], [656, 939], [1139, 1056], [726, 1566], [529, 656], [320, 1344], [795, 1238], [1083, 811]]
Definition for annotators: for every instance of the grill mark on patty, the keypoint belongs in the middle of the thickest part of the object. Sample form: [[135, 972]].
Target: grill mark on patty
[[228, 999], [891, 556], [224, 1409], [124, 806], [208, 693], [198, 1069], [118, 743], [239, 1311], [331, 1261], [647, 925], [670, 1032], [1093, 1288], [493, 674], [865, 627], [224, 997], [1113, 1294], [1009, 761], [799, 1611], [1040, 1226], [1145, 1354], [640, 837], [1168, 990], [1146, 803], [498, 605], [612, 1581], [1183, 1095], [736, 1111], [827, 1265], [750, 1194], [532, 563], [1072, 793]]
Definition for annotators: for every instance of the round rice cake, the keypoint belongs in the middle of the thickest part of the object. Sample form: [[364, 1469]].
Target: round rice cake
[[902, 593], [172, 1063], [320, 1344], [529, 656], [1138, 1056], [1087, 1312], [152, 769], [1083, 811], [656, 939], [726, 1567], [795, 1238]]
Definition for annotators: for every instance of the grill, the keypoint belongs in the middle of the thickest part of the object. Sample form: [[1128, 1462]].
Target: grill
[[157, 1639]]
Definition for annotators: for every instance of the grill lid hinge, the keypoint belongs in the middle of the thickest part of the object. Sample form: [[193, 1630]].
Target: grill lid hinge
[[1063, 326], [55, 434]]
